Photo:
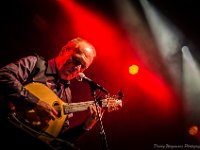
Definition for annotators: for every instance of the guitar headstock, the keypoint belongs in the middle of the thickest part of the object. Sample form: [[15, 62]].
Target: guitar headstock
[[112, 103]]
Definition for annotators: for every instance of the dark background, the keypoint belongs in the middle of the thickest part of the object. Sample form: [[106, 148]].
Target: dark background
[[139, 124]]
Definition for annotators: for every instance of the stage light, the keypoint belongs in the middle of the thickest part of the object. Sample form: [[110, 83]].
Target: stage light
[[193, 130], [133, 69]]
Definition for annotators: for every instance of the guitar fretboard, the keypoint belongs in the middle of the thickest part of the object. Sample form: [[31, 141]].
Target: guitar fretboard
[[76, 107]]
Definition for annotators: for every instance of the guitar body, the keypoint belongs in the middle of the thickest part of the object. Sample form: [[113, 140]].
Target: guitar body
[[36, 118]]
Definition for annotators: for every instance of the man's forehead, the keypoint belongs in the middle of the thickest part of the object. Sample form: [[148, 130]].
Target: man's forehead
[[85, 46], [85, 53], [87, 49]]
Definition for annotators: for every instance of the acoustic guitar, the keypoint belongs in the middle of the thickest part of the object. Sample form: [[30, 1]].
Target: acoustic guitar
[[37, 119]]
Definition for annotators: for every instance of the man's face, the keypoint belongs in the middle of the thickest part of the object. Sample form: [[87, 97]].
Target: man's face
[[75, 61]]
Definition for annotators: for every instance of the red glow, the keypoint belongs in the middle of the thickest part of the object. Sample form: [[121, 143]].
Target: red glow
[[115, 53], [160, 95], [98, 30], [112, 48]]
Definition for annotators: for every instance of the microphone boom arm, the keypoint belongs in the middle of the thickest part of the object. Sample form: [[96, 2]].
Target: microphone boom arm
[[93, 85]]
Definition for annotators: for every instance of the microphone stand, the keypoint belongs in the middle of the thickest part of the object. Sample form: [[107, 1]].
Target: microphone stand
[[102, 132]]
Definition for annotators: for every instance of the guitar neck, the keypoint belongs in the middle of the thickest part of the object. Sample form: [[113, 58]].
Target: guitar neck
[[76, 107]]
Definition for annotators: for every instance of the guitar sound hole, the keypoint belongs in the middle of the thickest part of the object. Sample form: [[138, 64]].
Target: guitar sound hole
[[58, 109]]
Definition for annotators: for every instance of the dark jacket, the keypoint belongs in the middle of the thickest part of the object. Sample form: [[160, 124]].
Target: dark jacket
[[34, 68]]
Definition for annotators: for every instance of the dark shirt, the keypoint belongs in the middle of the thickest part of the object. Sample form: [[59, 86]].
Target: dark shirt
[[15, 76]]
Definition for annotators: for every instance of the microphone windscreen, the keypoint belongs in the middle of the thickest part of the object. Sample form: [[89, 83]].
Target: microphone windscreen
[[80, 76]]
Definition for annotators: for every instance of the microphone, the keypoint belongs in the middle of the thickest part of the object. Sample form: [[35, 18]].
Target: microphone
[[82, 77]]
